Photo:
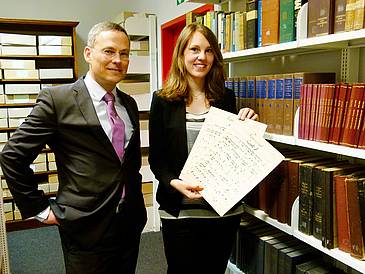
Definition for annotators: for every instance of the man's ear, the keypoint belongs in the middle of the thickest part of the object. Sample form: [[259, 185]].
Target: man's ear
[[87, 53]]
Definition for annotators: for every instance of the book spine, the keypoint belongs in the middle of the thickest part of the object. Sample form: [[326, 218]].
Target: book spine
[[251, 18]]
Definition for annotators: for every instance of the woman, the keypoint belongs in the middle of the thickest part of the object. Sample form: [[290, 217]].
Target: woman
[[196, 238]]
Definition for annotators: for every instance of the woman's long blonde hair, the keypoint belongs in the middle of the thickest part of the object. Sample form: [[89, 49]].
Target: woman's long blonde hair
[[176, 87]]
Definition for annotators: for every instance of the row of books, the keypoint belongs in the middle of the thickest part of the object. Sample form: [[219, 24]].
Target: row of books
[[263, 23], [275, 98], [320, 183], [261, 248], [333, 113]]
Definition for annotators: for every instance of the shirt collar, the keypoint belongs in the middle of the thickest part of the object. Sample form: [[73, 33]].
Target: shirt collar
[[95, 90]]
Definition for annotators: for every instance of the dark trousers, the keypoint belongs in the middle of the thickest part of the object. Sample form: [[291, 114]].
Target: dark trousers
[[198, 245], [115, 252]]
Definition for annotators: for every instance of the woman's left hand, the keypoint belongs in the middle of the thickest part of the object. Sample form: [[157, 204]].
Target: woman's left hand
[[247, 113]]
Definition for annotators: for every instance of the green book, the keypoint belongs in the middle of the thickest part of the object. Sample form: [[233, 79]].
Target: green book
[[287, 24]]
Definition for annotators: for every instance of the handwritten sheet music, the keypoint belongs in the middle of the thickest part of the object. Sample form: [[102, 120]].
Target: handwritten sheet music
[[229, 158]]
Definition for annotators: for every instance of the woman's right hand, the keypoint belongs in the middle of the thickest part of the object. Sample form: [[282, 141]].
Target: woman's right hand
[[189, 190]]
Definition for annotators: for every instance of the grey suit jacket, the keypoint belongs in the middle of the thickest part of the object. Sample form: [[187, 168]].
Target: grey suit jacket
[[90, 173]]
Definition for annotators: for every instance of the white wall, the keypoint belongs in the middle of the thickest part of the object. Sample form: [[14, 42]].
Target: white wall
[[89, 12]]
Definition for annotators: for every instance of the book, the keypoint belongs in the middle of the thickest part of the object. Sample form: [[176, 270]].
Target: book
[[261, 94], [270, 104], [294, 258], [274, 253], [308, 108], [339, 115], [287, 23], [302, 78], [237, 82], [251, 92], [350, 15], [339, 16], [191, 16], [270, 22], [259, 23], [324, 268], [345, 111], [279, 103], [320, 17], [306, 195], [361, 195], [313, 111], [354, 219], [354, 116], [329, 232], [334, 112], [243, 92], [268, 247], [283, 252], [359, 15], [342, 214], [251, 19], [304, 267], [288, 116]]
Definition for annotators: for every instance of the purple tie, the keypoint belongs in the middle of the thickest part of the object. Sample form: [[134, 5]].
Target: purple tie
[[118, 127]]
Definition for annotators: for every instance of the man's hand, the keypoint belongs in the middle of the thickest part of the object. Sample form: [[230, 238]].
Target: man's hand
[[51, 219]]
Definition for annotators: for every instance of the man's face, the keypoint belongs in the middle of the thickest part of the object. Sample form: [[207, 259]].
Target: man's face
[[105, 70]]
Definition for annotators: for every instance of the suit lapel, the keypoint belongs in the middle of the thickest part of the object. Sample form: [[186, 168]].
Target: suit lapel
[[84, 101]]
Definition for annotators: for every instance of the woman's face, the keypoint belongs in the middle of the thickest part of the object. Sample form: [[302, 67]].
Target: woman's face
[[198, 56]]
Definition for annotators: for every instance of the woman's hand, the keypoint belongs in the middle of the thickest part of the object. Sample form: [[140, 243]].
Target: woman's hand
[[247, 113], [189, 190], [51, 219]]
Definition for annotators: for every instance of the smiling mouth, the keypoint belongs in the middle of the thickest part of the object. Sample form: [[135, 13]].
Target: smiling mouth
[[114, 69], [200, 65]]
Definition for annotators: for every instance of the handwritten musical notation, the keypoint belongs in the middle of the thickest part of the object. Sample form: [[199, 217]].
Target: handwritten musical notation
[[229, 158]]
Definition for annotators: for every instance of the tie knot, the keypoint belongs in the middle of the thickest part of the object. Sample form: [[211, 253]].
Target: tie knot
[[109, 97]]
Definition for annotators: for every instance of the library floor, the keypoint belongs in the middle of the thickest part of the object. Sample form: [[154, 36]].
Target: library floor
[[38, 251]]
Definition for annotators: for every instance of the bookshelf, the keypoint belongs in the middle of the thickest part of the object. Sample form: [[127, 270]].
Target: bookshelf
[[58, 53], [342, 53], [140, 82]]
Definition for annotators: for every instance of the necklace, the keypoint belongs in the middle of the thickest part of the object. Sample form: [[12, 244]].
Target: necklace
[[196, 96]]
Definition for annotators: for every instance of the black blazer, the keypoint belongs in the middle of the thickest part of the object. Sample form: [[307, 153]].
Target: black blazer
[[90, 173], [168, 145]]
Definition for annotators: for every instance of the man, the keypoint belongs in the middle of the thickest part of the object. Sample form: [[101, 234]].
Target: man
[[99, 206]]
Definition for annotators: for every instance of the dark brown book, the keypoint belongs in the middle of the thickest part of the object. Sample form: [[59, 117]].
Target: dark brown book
[[294, 258], [288, 104], [339, 16], [270, 22], [354, 117], [326, 268], [274, 253], [354, 217], [268, 248], [320, 17], [340, 113], [302, 268], [283, 252], [251, 19], [306, 195]]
